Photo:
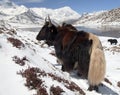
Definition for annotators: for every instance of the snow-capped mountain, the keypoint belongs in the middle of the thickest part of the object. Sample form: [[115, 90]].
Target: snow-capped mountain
[[21, 14], [59, 15], [7, 4], [9, 9], [37, 15], [12, 11], [111, 17], [27, 17]]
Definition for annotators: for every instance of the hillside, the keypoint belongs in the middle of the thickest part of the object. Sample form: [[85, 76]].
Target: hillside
[[29, 64], [111, 17], [22, 56]]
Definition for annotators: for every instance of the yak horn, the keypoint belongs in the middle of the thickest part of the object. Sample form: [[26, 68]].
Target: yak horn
[[45, 19], [50, 23]]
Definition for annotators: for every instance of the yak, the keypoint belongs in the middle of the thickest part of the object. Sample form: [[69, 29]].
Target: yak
[[112, 41], [78, 50]]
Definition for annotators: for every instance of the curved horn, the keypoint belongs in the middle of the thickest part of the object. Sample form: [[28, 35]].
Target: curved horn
[[45, 19], [50, 23]]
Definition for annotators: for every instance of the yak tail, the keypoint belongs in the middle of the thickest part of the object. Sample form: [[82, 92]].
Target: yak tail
[[97, 67]]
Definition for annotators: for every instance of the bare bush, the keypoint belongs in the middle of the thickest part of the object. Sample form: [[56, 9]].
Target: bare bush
[[118, 84], [15, 42], [19, 61], [34, 81], [108, 81], [56, 90]]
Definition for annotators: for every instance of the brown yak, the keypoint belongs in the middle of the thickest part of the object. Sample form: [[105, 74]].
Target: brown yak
[[76, 50]]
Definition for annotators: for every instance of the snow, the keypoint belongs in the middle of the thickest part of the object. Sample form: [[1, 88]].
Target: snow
[[39, 56]]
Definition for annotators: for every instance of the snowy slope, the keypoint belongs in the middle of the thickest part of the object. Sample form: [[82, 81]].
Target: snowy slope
[[22, 54], [19, 51]]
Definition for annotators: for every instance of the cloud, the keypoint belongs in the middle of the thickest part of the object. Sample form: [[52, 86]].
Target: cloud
[[28, 1]]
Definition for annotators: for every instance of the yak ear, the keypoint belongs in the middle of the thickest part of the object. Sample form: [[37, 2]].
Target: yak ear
[[50, 23]]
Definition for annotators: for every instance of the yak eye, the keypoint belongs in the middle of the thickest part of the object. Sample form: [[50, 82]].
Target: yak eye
[[52, 30]]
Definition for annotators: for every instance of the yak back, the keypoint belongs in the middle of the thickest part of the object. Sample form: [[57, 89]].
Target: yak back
[[72, 46]]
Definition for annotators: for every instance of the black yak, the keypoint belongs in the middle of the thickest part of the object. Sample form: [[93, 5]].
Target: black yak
[[112, 41], [76, 50]]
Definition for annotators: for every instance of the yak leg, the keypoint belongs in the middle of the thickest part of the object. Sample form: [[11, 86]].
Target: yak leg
[[93, 88]]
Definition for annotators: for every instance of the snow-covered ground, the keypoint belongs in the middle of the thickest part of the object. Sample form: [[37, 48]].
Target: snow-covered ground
[[21, 53]]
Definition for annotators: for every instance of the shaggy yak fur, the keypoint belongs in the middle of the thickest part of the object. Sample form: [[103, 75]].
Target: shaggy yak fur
[[112, 41], [77, 50]]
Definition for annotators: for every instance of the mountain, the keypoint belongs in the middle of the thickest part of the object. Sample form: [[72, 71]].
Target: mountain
[[38, 15], [59, 15], [111, 17], [21, 14], [7, 4], [28, 16]]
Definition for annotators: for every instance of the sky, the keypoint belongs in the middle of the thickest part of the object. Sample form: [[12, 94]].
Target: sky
[[80, 6]]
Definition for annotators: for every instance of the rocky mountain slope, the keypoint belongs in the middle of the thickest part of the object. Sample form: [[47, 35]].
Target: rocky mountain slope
[[111, 17]]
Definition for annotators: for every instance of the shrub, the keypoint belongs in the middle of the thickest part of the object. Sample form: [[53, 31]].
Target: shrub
[[56, 90], [15, 42], [106, 80], [19, 61], [34, 81], [118, 84]]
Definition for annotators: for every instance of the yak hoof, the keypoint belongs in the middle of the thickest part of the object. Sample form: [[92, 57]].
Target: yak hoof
[[93, 88], [63, 68]]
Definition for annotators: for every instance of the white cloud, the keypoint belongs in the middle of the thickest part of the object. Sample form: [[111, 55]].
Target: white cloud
[[29, 1]]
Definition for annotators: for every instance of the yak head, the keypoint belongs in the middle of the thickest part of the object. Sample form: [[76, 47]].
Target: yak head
[[48, 32]]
